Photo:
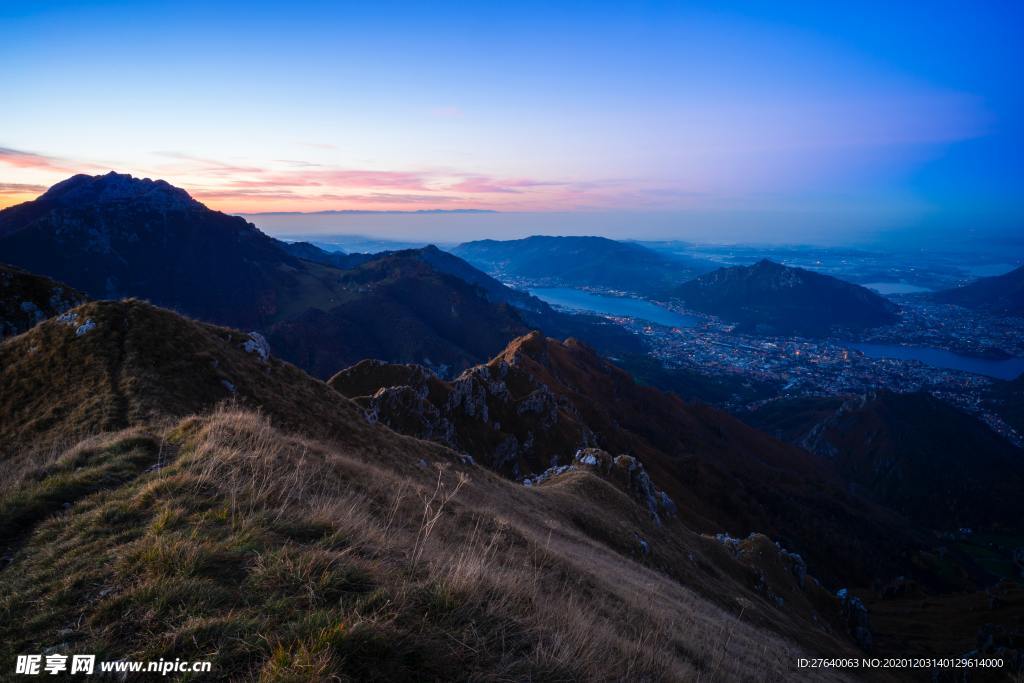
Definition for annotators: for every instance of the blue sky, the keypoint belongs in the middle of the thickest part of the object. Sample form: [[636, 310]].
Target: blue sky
[[759, 121]]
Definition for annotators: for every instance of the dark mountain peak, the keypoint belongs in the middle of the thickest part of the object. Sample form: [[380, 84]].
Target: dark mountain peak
[[770, 297], [115, 235], [594, 239], [998, 294], [765, 269], [82, 190], [533, 345]]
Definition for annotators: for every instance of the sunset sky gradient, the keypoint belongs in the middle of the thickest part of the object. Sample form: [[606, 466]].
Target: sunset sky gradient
[[864, 117]]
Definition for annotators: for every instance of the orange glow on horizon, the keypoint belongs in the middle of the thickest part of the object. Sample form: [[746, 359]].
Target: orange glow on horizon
[[13, 198]]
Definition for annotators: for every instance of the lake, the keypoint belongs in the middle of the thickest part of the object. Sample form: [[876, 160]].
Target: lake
[[939, 358], [585, 302]]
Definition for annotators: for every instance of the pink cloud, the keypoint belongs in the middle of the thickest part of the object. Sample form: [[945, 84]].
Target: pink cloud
[[316, 177], [485, 185], [248, 193], [363, 178], [203, 165], [30, 160], [21, 188], [386, 197], [300, 185]]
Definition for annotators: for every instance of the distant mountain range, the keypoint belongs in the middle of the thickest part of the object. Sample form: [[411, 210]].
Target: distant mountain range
[[114, 235], [771, 298], [582, 262], [999, 294]]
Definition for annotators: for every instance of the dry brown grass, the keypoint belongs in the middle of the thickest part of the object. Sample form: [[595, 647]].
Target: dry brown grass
[[284, 559]]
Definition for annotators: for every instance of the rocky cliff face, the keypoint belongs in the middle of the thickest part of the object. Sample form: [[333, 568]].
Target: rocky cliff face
[[496, 413]]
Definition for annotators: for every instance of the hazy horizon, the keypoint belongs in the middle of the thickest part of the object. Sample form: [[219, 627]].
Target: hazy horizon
[[453, 228]]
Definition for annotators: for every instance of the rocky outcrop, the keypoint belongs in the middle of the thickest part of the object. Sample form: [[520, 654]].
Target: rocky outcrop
[[496, 413], [529, 410], [630, 474], [623, 470], [407, 410], [855, 615], [27, 300], [257, 343], [781, 577]]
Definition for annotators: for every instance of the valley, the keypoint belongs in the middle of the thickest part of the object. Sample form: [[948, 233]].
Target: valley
[[953, 353], [790, 484]]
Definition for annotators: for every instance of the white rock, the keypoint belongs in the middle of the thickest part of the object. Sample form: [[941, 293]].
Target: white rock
[[257, 343]]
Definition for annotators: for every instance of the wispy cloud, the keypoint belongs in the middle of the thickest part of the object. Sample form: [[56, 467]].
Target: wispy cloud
[[273, 197], [31, 160], [399, 198], [21, 188], [198, 164], [338, 177], [484, 185], [298, 184]]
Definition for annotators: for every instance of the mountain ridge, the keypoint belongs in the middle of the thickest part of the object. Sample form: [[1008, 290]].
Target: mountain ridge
[[115, 235], [581, 261], [1000, 293], [180, 509], [773, 298], [912, 452], [538, 402]]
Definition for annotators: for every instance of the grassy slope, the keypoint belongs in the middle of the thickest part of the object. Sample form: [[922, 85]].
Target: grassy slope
[[230, 551], [138, 364], [302, 543]]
